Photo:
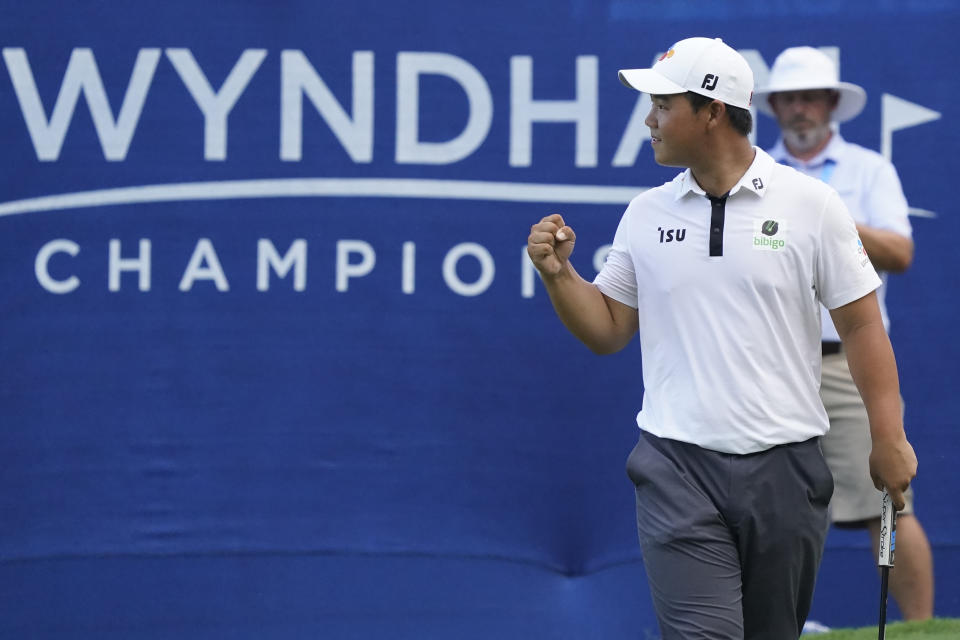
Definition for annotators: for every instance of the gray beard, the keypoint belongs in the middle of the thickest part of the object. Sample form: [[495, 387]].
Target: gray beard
[[805, 141]]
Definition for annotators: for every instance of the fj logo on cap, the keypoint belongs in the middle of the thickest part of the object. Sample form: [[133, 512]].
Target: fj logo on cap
[[709, 82]]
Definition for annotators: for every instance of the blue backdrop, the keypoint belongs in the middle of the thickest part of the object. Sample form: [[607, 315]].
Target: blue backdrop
[[274, 363]]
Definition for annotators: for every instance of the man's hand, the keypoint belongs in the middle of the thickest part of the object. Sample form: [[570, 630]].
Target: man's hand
[[893, 464], [550, 244]]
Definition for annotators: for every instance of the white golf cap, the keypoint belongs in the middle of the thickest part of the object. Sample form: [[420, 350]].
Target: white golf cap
[[806, 68], [705, 66]]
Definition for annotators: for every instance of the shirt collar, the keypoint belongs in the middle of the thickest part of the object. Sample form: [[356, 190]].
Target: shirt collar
[[755, 179], [833, 151]]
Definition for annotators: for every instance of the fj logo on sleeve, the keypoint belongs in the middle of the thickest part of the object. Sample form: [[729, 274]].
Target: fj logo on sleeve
[[769, 235]]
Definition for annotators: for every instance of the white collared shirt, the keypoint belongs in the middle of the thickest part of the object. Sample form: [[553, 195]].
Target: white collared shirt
[[868, 184], [731, 343]]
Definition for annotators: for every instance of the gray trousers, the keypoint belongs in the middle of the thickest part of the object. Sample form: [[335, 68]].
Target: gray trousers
[[731, 543]]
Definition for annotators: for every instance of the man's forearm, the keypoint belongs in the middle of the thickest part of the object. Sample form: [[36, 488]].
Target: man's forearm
[[583, 310], [888, 251], [874, 370]]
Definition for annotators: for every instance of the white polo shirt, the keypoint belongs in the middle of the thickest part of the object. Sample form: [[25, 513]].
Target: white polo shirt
[[731, 341], [869, 186]]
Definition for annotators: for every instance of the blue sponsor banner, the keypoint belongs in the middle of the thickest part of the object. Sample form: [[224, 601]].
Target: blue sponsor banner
[[275, 363]]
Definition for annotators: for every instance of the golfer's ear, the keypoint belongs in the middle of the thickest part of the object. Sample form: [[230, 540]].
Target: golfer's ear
[[716, 109]]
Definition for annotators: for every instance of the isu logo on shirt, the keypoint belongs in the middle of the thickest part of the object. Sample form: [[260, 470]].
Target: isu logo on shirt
[[669, 235], [769, 235]]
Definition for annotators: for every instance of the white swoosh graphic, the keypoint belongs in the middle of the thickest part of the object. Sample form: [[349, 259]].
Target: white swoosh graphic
[[328, 187], [339, 188]]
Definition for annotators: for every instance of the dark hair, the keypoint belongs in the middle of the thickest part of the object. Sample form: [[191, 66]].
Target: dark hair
[[740, 119]]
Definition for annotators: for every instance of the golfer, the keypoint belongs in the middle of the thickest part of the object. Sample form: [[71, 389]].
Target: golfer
[[722, 271]]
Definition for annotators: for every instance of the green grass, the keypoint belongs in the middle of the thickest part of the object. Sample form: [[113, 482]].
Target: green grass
[[936, 629]]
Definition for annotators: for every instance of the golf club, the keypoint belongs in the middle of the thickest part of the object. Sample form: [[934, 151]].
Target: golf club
[[888, 543]]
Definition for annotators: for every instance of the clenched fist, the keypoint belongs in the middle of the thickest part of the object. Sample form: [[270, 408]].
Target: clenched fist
[[550, 244]]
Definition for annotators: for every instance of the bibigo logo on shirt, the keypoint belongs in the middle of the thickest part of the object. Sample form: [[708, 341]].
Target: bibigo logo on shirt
[[769, 234]]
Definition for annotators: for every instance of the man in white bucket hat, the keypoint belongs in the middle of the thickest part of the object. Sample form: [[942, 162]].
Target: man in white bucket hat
[[806, 97], [721, 272]]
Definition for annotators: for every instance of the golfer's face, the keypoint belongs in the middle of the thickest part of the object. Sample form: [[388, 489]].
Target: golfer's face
[[673, 130]]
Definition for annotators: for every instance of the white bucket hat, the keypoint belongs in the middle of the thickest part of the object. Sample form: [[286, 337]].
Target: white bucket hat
[[705, 66], [804, 68]]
